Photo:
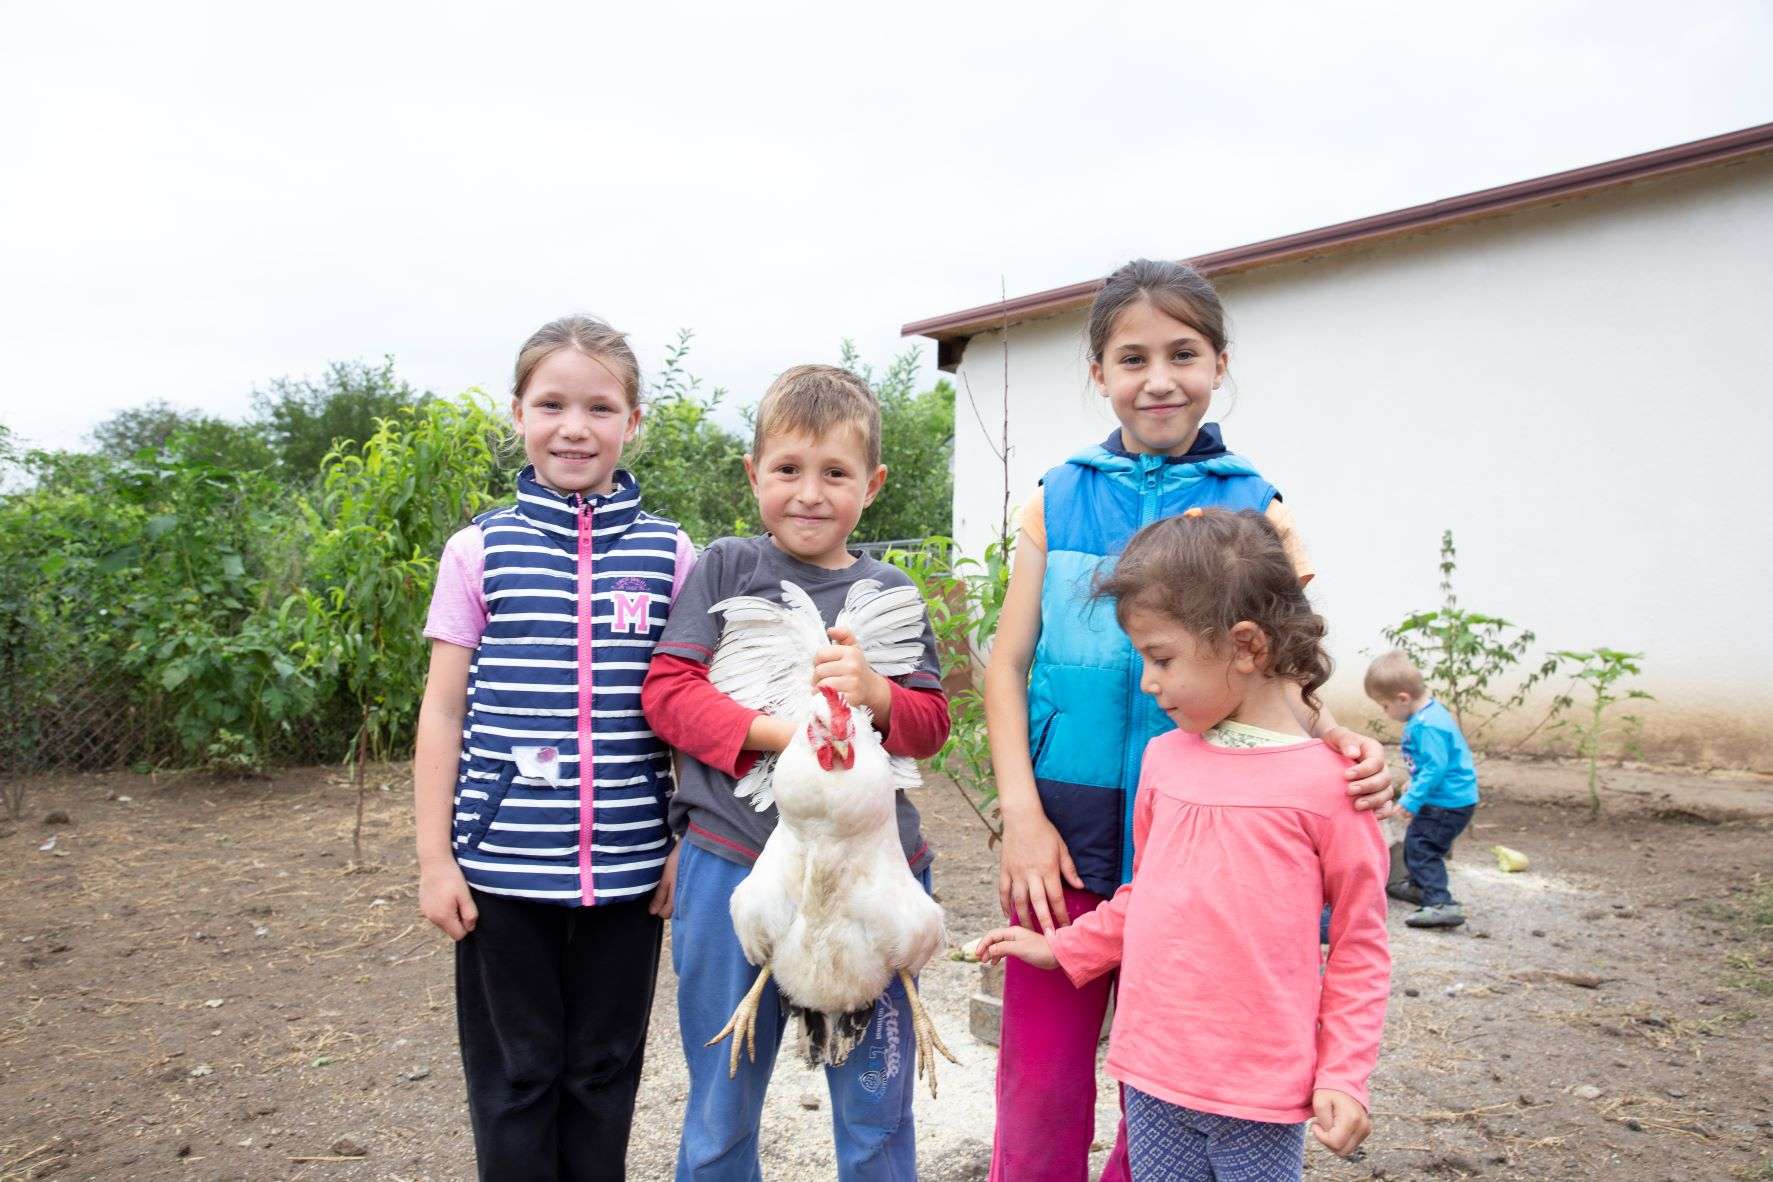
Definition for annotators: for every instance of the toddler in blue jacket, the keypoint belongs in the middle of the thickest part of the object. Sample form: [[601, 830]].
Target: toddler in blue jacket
[[1443, 790]]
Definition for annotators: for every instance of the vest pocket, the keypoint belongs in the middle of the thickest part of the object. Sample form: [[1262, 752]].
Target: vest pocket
[[1046, 737], [489, 808]]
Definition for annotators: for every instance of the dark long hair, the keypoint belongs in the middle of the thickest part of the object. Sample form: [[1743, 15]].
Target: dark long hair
[[1210, 569], [1173, 288]]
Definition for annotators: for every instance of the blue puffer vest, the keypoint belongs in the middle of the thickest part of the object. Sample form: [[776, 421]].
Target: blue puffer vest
[[1088, 722], [562, 791]]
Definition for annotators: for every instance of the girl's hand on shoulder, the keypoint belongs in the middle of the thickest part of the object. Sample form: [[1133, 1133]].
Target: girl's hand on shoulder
[[445, 901], [1340, 1124], [1032, 872], [1021, 943], [1370, 776], [666, 892]]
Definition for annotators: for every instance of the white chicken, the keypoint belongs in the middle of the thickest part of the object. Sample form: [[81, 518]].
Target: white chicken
[[830, 909]]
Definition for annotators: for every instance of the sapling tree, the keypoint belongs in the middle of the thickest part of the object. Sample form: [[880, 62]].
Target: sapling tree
[[1465, 656], [1602, 672], [965, 597], [387, 507]]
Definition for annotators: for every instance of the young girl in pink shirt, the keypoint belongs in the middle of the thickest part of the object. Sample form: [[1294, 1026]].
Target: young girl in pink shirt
[[1228, 1031]]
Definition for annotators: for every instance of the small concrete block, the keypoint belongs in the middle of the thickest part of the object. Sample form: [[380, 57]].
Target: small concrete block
[[985, 1018]]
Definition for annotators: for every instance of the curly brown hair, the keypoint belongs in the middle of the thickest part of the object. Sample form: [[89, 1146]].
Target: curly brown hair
[[1209, 570]]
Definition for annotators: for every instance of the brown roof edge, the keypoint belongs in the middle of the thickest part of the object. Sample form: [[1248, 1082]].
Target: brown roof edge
[[1717, 149]]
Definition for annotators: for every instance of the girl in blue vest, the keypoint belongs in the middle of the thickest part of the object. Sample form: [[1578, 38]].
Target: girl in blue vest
[[1068, 723], [539, 791]]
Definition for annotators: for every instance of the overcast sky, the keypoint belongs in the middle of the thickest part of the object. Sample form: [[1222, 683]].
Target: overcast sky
[[195, 199]]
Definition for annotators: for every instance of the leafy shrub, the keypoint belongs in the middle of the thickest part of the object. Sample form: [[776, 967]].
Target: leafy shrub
[[690, 468], [208, 626], [159, 426], [1464, 655], [230, 594], [1602, 672], [387, 508], [306, 418], [917, 447], [965, 597], [145, 580]]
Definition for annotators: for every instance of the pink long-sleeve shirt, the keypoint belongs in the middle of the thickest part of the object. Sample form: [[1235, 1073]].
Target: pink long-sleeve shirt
[[1222, 1007]]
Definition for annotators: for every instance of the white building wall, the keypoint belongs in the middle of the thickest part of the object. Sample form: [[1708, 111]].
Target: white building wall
[[1581, 393]]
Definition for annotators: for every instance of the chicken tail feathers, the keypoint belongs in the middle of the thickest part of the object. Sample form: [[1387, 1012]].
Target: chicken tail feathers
[[828, 1039]]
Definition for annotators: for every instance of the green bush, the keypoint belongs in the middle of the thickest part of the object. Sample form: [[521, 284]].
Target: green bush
[[917, 447], [304, 419], [1466, 656], [159, 575], [965, 597], [387, 507], [690, 468], [1602, 674], [244, 593]]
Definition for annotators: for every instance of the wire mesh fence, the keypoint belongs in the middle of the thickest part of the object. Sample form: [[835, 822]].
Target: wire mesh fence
[[81, 719], [85, 721], [879, 549], [78, 721]]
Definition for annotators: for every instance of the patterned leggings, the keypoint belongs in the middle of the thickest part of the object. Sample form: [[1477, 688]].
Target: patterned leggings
[[1169, 1143]]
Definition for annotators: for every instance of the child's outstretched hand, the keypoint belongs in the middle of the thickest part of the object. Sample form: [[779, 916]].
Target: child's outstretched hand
[[1021, 943], [842, 666], [1341, 1123]]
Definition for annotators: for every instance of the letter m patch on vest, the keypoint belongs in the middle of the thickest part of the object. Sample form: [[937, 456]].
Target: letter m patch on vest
[[633, 607]]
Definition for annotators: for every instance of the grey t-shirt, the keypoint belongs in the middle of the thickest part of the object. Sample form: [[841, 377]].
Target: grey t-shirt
[[704, 810]]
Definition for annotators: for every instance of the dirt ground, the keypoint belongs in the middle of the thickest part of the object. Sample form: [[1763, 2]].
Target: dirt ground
[[195, 984]]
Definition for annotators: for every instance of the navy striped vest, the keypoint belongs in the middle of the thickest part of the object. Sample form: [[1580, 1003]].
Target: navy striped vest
[[562, 791]]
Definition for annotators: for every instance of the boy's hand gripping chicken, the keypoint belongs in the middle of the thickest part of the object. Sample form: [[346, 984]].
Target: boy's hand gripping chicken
[[830, 909]]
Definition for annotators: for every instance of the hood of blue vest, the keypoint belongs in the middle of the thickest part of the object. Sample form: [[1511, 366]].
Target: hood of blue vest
[[1207, 453], [557, 514]]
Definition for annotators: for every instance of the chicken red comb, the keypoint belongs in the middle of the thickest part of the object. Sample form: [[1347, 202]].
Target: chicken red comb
[[840, 712]]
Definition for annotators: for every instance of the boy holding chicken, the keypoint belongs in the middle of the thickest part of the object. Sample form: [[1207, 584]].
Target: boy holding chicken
[[814, 466]]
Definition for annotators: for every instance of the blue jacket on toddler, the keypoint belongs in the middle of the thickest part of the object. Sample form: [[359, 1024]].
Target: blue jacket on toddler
[[1441, 773]]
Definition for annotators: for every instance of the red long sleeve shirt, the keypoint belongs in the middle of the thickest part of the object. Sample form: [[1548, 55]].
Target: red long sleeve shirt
[[691, 715], [708, 728]]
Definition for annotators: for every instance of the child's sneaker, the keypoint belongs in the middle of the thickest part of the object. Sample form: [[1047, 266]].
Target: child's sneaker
[[1405, 892], [1445, 915]]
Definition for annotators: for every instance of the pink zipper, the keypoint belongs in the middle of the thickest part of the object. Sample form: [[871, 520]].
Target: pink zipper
[[587, 764]]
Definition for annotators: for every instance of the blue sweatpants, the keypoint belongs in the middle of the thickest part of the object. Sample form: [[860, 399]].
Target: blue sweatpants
[[1427, 842], [870, 1093], [1169, 1143]]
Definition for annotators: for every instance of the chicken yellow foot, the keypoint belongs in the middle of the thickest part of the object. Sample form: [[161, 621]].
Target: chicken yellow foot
[[743, 1024], [928, 1041]]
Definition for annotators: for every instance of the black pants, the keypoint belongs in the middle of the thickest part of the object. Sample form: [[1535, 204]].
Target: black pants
[[1427, 842], [552, 1006]]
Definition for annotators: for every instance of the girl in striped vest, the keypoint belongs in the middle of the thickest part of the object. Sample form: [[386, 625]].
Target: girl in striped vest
[[539, 791]]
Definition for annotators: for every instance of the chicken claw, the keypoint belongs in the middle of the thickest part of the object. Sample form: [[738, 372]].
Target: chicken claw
[[928, 1041], [743, 1024]]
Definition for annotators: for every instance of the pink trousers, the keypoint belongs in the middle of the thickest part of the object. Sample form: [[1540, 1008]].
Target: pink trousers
[[1046, 1073]]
